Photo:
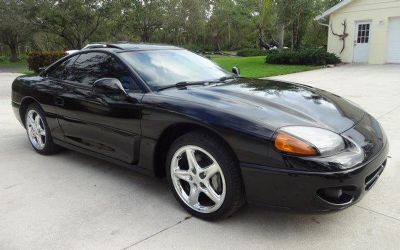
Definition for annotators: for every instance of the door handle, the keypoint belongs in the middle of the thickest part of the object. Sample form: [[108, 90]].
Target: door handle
[[59, 101]]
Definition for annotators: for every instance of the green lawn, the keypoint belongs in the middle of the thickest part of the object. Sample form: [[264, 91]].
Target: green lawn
[[249, 66], [18, 67], [7, 64], [256, 66]]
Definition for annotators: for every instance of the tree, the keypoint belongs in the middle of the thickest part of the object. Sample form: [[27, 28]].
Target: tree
[[73, 20], [316, 35], [303, 14], [195, 24], [143, 17], [232, 24], [14, 27], [264, 17], [293, 18]]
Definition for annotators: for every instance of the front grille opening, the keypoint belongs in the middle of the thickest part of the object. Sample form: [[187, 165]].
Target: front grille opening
[[371, 179], [338, 195]]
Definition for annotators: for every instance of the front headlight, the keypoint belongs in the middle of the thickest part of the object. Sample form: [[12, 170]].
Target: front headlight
[[308, 141]]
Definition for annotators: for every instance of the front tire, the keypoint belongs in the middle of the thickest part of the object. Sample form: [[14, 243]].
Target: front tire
[[204, 176], [38, 131]]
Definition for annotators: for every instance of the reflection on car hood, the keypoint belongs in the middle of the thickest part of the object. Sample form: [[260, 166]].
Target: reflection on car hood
[[275, 104]]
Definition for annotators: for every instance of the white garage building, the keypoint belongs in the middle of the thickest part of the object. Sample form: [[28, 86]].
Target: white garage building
[[372, 33]]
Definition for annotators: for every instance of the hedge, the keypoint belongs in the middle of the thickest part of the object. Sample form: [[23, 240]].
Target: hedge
[[37, 60], [252, 52], [303, 57]]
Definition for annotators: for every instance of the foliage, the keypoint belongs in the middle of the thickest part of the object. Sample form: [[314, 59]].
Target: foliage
[[304, 57], [251, 52], [213, 25], [14, 27], [19, 63], [143, 17], [256, 66], [36, 60], [26, 72], [75, 21]]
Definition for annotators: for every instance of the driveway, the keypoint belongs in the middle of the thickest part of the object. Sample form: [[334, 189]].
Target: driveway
[[72, 201]]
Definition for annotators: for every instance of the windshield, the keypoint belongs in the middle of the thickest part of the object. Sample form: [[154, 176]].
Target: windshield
[[161, 68]]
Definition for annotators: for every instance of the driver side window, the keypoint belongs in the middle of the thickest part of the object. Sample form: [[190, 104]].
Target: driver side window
[[90, 67]]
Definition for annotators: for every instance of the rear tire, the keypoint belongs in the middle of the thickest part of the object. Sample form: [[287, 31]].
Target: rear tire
[[38, 131], [204, 176]]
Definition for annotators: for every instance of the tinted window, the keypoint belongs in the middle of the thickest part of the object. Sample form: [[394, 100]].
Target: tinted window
[[115, 69], [90, 67], [62, 71]]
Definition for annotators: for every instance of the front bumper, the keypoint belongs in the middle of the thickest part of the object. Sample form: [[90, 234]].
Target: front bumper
[[311, 191]]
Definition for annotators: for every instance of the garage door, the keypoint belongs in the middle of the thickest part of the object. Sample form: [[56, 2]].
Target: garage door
[[394, 41]]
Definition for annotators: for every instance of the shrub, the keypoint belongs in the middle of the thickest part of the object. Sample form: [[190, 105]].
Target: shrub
[[252, 52], [36, 60], [303, 57], [6, 59], [3, 59]]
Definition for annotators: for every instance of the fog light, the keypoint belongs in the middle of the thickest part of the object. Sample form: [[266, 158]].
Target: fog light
[[337, 195], [334, 193]]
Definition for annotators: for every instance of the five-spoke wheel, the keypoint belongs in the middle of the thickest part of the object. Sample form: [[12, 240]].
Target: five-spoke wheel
[[198, 179], [38, 131], [204, 176]]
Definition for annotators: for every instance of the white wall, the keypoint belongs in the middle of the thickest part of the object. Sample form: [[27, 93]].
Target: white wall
[[377, 11]]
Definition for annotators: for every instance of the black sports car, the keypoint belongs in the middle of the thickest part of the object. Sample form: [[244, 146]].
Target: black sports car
[[220, 139]]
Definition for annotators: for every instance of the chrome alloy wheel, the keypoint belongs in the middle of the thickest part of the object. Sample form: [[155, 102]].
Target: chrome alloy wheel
[[36, 129], [198, 179]]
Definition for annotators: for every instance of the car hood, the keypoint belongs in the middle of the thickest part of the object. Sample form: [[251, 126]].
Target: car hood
[[274, 104]]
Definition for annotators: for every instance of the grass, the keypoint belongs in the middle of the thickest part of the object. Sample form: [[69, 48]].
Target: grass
[[26, 72], [8, 64], [249, 66], [19, 67], [256, 66]]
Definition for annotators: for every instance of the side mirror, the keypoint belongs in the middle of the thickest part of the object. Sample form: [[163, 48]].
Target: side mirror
[[236, 71], [110, 86], [42, 71]]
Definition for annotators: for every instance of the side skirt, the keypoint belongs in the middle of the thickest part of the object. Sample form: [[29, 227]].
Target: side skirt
[[136, 168]]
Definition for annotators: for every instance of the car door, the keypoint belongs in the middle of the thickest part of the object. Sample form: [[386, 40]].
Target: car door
[[108, 124], [49, 90]]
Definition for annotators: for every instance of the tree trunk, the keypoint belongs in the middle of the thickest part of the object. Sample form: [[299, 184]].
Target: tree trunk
[[296, 34], [281, 36], [261, 37], [145, 32], [14, 53], [293, 38], [229, 34], [80, 43]]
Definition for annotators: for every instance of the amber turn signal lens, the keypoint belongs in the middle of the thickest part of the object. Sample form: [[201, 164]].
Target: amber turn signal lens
[[290, 144]]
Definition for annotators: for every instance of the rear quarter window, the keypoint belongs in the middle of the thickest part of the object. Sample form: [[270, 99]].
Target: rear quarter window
[[63, 70]]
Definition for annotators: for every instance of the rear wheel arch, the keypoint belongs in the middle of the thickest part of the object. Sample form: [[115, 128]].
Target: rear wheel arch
[[25, 103], [173, 132]]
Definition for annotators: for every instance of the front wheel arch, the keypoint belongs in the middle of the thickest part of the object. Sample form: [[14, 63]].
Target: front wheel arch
[[232, 194], [173, 132]]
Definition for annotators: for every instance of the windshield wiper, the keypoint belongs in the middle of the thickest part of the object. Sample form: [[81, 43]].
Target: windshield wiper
[[184, 84], [224, 78]]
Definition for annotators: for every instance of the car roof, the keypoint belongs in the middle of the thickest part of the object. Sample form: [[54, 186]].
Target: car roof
[[120, 47]]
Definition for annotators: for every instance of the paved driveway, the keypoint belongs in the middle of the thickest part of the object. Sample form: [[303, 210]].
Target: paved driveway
[[73, 201]]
